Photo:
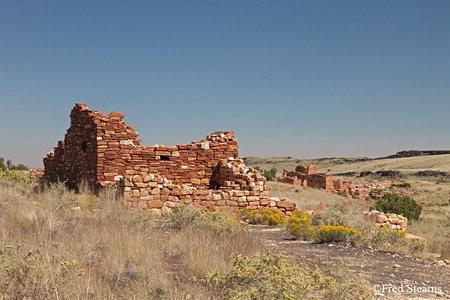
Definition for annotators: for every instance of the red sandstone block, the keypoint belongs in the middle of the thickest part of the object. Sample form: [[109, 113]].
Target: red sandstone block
[[138, 178], [286, 204], [142, 205], [173, 199], [155, 203]]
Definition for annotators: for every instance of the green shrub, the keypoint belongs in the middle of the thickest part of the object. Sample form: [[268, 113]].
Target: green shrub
[[342, 193], [270, 174], [268, 276], [328, 234], [403, 185], [24, 274], [300, 225], [401, 205], [15, 176], [220, 222], [270, 216], [336, 215], [182, 215]]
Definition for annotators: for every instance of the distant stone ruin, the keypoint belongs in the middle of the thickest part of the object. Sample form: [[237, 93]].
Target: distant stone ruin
[[311, 177], [103, 150]]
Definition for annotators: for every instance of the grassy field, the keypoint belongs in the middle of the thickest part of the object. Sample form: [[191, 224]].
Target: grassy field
[[55, 244]]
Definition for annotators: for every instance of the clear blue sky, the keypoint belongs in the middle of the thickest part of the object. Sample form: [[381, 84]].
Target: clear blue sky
[[292, 78]]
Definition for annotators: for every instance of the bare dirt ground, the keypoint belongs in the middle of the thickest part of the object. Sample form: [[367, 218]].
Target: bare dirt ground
[[382, 270]]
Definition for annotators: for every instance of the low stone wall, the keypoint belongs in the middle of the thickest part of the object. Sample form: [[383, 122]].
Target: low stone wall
[[392, 221], [242, 188]]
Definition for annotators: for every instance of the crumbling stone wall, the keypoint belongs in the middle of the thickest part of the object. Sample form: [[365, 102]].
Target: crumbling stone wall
[[75, 159], [311, 177], [105, 151]]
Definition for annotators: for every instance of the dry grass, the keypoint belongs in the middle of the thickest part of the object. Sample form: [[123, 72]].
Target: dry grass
[[309, 198], [55, 244], [103, 251]]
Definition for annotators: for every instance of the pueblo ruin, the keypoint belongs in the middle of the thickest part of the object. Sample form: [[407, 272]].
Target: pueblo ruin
[[104, 151], [311, 177]]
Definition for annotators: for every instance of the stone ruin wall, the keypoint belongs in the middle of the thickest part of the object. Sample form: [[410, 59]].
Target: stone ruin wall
[[105, 151], [74, 159], [311, 177]]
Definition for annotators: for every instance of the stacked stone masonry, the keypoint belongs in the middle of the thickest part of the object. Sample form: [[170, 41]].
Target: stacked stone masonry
[[392, 221], [311, 177], [104, 151]]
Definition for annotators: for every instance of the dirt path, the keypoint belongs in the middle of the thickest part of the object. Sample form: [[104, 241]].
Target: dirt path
[[381, 269]]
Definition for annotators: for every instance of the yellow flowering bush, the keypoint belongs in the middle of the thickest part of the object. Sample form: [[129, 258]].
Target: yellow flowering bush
[[330, 233], [15, 176], [389, 230], [270, 216], [300, 225]]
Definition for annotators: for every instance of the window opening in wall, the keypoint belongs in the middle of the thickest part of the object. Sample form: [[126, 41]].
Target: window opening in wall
[[164, 157], [84, 147]]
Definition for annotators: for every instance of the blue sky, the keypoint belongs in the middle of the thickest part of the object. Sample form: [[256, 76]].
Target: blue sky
[[292, 78]]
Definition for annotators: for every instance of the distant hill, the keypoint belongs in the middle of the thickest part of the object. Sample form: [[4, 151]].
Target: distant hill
[[356, 165], [411, 153]]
